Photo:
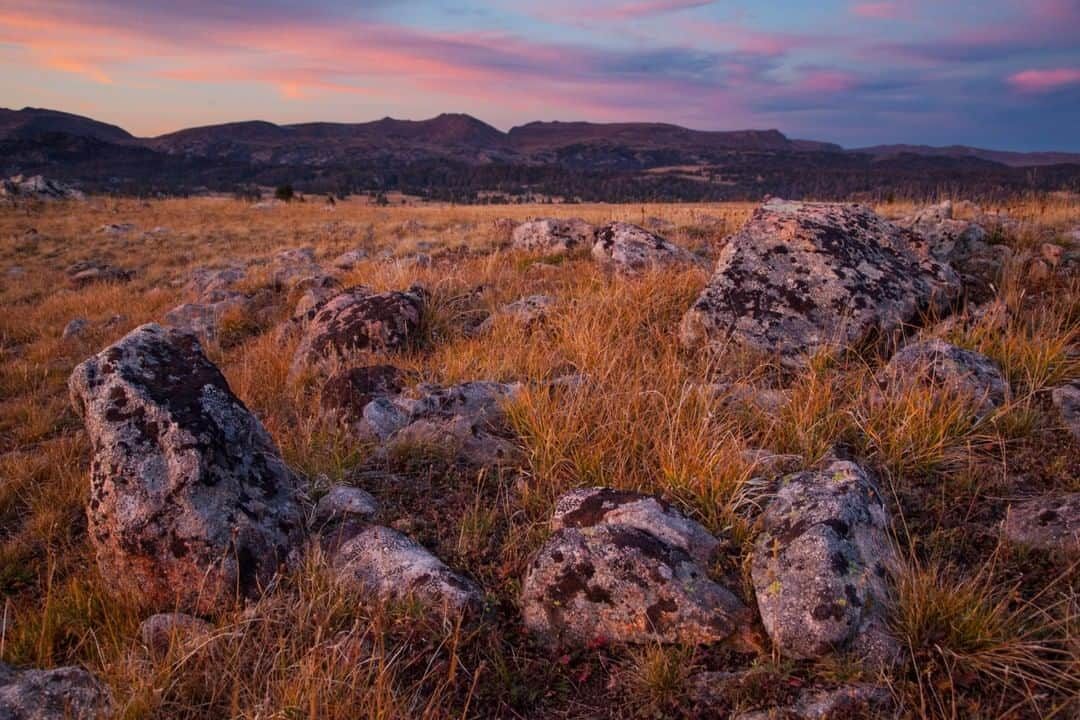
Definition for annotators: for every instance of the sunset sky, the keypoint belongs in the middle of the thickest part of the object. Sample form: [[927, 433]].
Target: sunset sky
[[994, 73]]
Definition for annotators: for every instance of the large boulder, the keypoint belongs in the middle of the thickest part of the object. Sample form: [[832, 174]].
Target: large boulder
[[66, 693], [1051, 522], [551, 236], [821, 566], [190, 500], [625, 568], [802, 277], [358, 319], [938, 364], [630, 249], [390, 566]]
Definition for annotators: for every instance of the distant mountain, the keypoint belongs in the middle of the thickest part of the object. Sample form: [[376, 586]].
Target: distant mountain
[[1004, 157], [457, 157], [30, 123]]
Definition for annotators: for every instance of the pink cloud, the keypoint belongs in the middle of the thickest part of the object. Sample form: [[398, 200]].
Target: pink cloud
[[645, 8], [1044, 80], [877, 10]]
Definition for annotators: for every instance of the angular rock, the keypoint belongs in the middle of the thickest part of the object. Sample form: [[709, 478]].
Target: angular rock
[[938, 364], [551, 236], [190, 500], [589, 507], [392, 567], [37, 187], [349, 391], [630, 249], [802, 277], [163, 631], [820, 567], [1051, 522], [66, 693], [464, 421], [356, 319], [619, 584], [1066, 400], [204, 320], [528, 312], [213, 285]]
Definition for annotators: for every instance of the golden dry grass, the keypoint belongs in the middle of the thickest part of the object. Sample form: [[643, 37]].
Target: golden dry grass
[[990, 631]]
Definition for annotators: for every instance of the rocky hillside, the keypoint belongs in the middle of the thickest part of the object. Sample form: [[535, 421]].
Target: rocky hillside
[[459, 158]]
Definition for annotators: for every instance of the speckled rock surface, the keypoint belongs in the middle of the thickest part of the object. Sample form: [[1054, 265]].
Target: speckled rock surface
[[821, 566], [602, 576], [551, 236], [952, 369], [629, 249], [801, 277], [1066, 400], [347, 392], [391, 566], [1051, 522], [529, 312], [356, 319], [190, 499], [163, 631], [66, 693]]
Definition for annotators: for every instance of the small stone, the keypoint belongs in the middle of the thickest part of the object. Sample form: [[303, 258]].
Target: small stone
[[349, 260], [551, 236], [630, 249], [348, 391], [345, 503], [1066, 399], [163, 631], [938, 364], [75, 328], [66, 693], [1051, 523]]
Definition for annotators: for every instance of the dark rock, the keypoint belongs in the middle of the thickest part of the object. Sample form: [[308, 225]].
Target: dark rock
[[190, 500], [349, 391], [66, 693]]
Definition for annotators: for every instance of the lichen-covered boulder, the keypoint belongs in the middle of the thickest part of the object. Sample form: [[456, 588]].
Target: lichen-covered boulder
[[190, 500], [551, 236], [589, 507], [347, 392], [358, 319], [803, 277], [66, 693], [1051, 522], [625, 568], [938, 364], [391, 566], [630, 249], [821, 566], [1066, 400]]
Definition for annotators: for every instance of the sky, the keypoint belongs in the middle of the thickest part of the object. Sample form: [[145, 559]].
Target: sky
[[993, 73]]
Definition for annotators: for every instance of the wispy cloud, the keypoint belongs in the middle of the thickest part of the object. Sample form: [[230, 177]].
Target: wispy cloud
[[1045, 80]]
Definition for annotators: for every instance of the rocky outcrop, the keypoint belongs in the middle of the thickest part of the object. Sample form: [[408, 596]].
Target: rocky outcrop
[[358, 319], [821, 566], [551, 236], [1050, 523], [1066, 399], [37, 187], [67, 693], [388, 565], [629, 249], [803, 277], [626, 568], [465, 422], [190, 500], [938, 364], [347, 392]]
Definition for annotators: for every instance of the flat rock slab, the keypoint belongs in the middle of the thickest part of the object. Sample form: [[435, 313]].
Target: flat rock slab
[[190, 499], [629, 249], [804, 277], [66, 693], [820, 567], [1051, 522]]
